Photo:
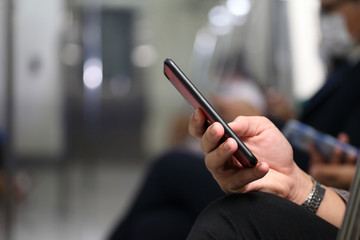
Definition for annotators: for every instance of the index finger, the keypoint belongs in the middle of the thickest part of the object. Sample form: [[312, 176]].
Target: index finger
[[197, 125], [338, 150], [250, 126]]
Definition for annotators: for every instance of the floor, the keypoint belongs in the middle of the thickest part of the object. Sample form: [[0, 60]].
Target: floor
[[82, 202]]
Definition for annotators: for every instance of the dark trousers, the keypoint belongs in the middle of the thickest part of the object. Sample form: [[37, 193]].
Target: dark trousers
[[175, 190], [259, 215]]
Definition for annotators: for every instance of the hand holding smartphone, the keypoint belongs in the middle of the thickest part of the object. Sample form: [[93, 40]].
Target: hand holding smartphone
[[301, 135], [197, 100]]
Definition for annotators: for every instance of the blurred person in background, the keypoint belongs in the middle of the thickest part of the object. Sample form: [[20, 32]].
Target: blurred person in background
[[20, 181], [335, 108], [237, 91], [341, 50], [177, 185]]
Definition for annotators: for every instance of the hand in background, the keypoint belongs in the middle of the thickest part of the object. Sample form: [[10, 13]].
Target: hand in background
[[338, 171]]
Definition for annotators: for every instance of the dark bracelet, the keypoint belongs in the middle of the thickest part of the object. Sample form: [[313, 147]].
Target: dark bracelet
[[314, 199]]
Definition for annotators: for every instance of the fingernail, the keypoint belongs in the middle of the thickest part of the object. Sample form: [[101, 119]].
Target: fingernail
[[212, 130], [262, 168], [196, 116], [227, 145]]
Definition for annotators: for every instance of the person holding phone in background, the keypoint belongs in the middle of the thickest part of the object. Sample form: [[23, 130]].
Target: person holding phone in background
[[335, 109]]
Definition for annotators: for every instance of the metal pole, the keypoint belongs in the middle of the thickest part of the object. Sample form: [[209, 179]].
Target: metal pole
[[9, 158]]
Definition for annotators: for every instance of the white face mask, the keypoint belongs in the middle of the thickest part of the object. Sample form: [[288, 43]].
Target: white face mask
[[336, 39]]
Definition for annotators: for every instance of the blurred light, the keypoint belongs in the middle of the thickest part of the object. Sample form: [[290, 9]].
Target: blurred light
[[238, 7], [219, 16], [93, 73], [120, 85], [144, 56], [205, 43], [220, 20]]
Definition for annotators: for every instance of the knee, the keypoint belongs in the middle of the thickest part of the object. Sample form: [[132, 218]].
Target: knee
[[258, 215], [243, 204], [236, 215]]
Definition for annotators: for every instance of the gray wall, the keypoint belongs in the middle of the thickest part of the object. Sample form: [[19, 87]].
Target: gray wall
[[38, 116], [37, 86]]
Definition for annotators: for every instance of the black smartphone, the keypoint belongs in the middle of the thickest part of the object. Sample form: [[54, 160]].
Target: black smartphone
[[197, 100]]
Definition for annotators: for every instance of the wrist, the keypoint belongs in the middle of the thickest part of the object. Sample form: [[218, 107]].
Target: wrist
[[302, 187]]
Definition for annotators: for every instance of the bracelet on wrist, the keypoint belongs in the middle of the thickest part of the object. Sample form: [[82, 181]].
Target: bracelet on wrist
[[314, 199]]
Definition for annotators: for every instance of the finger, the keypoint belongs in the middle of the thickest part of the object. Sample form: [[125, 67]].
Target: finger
[[336, 175], [337, 155], [235, 178], [351, 156], [338, 152], [315, 155], [343, 137], [197, 123], [217, 160], [242, 127], [211, 137], [241, 180]]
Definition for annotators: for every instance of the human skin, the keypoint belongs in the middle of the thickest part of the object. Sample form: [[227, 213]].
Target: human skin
[[276, 171], [351, 12], [337, 171]]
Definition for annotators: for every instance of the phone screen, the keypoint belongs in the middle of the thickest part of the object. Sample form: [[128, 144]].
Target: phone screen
[[197, 100]]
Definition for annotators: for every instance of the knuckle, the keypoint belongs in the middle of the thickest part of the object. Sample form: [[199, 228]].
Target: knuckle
[[208, 163]]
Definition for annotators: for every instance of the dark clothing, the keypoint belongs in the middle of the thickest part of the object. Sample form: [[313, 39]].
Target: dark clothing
[[2, 150], [335, 108], [176, 189], [258, 215]]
